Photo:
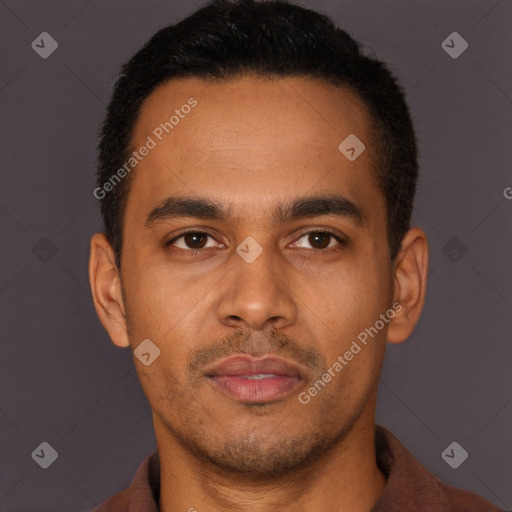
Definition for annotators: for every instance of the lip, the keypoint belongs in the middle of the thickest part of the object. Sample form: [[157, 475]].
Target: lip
[[232, 378]]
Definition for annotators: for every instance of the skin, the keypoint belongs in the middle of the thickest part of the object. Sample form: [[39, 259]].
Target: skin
[[251, 144]]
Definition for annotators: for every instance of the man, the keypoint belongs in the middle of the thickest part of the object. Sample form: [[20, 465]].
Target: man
[[256, 177]]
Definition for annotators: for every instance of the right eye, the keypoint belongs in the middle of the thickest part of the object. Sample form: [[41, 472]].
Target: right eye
[[191, 241]]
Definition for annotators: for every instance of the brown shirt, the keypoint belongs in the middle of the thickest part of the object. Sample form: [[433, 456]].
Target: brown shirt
[[410, 487]]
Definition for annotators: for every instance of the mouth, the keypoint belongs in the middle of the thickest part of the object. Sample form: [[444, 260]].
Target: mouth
[[255, 381]]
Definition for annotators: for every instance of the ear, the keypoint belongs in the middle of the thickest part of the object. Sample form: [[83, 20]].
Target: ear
[[410, 280], [106, 290]]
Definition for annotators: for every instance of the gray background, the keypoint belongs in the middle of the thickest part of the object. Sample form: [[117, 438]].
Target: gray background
[[63, 382]]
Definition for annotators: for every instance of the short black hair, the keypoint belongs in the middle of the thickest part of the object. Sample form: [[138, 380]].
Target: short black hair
[[225, 39]]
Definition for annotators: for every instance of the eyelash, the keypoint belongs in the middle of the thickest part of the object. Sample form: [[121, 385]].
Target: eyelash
[[191, 252]]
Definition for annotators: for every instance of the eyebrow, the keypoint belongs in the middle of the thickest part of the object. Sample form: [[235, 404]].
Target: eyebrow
[[303, 207]]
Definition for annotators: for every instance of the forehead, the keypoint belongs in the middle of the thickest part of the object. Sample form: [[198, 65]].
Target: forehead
[[251, 141]]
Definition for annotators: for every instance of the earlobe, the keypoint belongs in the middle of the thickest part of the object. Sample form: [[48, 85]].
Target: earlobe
[[410, 275], [106, 289]]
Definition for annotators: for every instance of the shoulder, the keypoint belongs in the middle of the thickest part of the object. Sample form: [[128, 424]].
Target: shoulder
[[143, 493], [410, 486], [117, 502], [459, 499]]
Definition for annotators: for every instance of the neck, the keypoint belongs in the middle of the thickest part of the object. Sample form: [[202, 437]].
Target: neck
[[346, 479]]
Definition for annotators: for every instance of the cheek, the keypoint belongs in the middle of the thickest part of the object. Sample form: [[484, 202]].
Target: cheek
[[164, 388], [163, 310], [160, 301], [356, 295], [353, 348]]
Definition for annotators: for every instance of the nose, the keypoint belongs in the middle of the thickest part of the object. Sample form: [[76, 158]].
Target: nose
[[257, 295]]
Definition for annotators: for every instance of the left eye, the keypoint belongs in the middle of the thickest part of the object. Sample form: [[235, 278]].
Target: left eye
[[320, 240]]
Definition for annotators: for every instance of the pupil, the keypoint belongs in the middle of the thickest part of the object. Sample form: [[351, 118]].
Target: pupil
[[191, 240], [322, 236]]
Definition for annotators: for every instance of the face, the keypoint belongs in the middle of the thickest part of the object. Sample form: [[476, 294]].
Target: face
[[255, 254]]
